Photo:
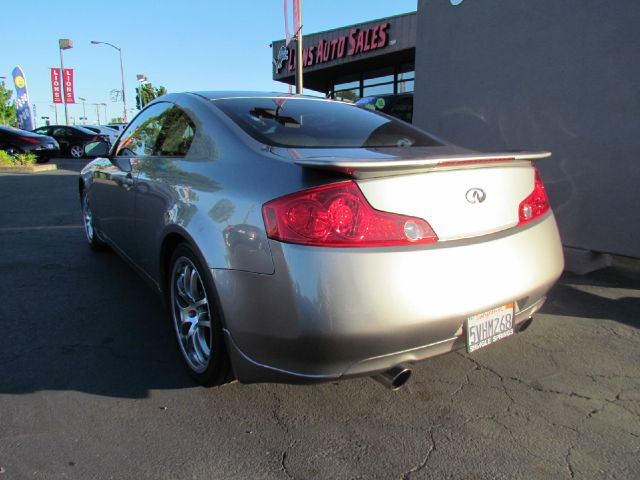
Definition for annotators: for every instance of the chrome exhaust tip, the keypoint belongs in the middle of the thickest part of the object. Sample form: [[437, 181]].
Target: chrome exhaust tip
[[524, 325], [394, 378]]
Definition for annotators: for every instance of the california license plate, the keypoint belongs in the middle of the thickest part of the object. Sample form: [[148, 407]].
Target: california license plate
[[489, 327]]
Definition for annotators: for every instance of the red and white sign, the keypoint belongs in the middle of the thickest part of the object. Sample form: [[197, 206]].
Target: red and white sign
[[56, 85], [356, 42], [68, 86]]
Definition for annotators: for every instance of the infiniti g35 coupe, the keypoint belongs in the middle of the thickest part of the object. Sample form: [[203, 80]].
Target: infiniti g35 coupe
[[304, 240]]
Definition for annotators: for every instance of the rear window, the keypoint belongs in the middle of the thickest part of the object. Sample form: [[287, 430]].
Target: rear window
[[296, 122]]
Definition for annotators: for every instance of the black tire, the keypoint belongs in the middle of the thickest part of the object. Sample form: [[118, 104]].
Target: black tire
[[91, 234], [190, 320]]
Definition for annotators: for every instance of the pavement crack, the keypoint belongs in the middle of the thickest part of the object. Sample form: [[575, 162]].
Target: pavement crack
[[518, 442], [568, 461], [425, 461], [461, 387], [283, 461]]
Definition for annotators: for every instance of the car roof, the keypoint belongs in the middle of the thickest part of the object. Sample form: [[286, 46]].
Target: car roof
[[18, 131], [77, 127]]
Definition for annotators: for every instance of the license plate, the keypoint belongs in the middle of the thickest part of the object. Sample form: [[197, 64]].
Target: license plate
[[489, 327]]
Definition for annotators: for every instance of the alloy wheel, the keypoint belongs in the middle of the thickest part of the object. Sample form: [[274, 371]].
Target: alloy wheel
[[191, 314], [87, 216], [76, 151]]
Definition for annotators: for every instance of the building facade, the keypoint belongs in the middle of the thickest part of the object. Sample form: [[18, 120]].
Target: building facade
[[499, 75]]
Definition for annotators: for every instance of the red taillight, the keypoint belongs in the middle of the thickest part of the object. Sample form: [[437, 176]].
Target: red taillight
[[338, 215], [97, 138], [30, 140], [536, 204]]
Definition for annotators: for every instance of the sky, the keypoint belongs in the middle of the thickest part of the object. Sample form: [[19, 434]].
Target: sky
[[185, 45]]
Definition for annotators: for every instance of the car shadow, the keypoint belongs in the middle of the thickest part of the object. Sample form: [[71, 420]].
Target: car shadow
[[71, 318], [74, 319], [611, 293]]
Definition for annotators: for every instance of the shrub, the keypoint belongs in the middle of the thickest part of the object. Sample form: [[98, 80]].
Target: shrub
[[25, 159], [20, 159], [5, 159]]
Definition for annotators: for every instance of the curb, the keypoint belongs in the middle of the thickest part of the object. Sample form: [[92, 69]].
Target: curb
[[29, 168]]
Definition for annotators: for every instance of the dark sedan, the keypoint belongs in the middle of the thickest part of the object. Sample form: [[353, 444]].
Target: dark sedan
[[72, 139], [14, 141]]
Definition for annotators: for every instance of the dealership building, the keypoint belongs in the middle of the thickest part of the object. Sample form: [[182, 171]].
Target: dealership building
[[499, 75]]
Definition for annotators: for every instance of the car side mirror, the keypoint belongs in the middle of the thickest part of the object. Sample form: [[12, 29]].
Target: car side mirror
[[96, 149], [123, 163]]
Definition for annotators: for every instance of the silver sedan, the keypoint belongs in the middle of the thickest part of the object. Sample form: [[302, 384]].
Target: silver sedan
[[304, 240]]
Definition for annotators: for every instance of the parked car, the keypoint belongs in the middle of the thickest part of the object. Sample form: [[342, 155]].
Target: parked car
[[305, 240], [117, 126], [110, 132], [399, 106], [14, 140], [72, 139]]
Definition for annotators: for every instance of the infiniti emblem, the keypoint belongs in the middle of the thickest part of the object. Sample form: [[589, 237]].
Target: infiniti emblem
[[476, 195]]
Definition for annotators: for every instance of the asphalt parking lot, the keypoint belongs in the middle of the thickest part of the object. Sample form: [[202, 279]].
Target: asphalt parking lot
[[91, 385]]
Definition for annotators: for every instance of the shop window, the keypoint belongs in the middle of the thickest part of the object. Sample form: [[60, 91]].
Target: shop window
[[376, 77], [348, 95], [405, 87], [384, 89]]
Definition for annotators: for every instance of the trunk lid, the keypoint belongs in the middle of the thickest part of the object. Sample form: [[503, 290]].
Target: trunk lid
[[461, 194]]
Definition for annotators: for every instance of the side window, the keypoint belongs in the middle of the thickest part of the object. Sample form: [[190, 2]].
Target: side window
[[176, 135], [60, 132], [141, 136], [43, 130]]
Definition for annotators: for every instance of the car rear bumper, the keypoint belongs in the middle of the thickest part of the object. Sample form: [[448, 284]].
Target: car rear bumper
[[329, 313]]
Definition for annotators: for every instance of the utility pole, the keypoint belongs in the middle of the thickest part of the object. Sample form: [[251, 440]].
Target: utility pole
[[299, 88]]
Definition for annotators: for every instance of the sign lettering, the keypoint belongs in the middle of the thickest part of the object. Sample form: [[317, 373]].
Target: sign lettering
[[56, 86], [356, 42]]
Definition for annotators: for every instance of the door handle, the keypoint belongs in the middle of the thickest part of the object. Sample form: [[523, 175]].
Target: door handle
[[128, 180]]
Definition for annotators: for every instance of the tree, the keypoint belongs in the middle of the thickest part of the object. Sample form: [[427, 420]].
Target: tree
[[8, 114], [148, 92]]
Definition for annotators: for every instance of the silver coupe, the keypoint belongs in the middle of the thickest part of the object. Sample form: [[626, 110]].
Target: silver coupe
[[304, 240]]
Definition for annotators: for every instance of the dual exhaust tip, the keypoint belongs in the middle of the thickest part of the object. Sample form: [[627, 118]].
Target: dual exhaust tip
[[394, 378]]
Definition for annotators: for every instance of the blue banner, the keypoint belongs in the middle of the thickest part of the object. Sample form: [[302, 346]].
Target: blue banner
[[25, 120]]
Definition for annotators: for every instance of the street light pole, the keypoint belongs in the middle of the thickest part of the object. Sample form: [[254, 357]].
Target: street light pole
[[105, 113], [124, 95], [55, 110], [84, 112], [142, 79], [64, 44], [97, 111]]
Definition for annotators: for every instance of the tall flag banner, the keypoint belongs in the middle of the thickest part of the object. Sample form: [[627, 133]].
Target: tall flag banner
[[25, 120], [68, 85], [56, 85], [296, 23], [287, 35]]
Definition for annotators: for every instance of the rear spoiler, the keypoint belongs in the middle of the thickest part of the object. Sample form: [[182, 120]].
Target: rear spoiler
[[367, 168]]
